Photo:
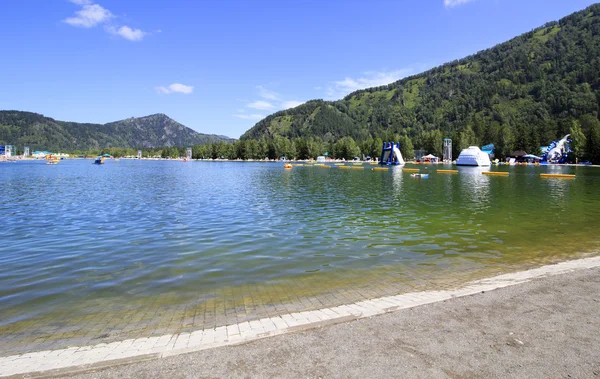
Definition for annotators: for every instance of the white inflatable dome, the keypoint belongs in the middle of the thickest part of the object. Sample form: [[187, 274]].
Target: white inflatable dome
[[473, 156]]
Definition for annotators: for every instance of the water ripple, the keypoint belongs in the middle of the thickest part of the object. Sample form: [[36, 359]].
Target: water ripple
[[136, 230]]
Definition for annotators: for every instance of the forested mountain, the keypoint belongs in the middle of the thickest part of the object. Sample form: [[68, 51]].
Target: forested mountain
[[39, 132], [520, 94]]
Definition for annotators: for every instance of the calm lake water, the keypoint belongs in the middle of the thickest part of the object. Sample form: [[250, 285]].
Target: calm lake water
[[78, 239]]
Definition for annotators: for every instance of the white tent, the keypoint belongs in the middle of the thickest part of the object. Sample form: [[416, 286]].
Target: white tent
[[429, 158]]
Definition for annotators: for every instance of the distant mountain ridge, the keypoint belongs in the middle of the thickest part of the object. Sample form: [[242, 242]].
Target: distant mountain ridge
[[40, 132]]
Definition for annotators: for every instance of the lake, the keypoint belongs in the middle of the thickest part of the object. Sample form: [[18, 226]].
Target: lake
[[96, 253]]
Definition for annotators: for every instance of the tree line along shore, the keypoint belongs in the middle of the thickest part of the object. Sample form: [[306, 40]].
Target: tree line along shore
[[585, 146]]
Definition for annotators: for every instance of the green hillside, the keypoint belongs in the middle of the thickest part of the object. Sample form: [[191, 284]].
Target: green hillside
[[521, 94], [40, 132]]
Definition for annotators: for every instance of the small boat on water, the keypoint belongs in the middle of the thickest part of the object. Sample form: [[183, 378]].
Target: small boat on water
[[99, 160], [422, 176], [52, 159]]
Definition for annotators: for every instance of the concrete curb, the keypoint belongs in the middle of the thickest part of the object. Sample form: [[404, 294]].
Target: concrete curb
[[76, 360]]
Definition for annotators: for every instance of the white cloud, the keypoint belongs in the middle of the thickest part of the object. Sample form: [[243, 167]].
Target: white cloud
[[260, 104], [175, 88], [249, 116], [275, 103], [370, 79], [89, 16], [127, 32], [82, 2], [291, 104], [453, 3], [267, 94]]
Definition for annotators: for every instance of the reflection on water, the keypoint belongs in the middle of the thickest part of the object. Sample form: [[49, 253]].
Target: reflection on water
[[135, 234], [476, 188], [558, 191], [397, 177]]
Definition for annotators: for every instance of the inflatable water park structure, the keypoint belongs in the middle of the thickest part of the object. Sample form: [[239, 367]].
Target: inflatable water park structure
[[558, 151], [390, 154], [473, 156], [6, 153], [6, 150]]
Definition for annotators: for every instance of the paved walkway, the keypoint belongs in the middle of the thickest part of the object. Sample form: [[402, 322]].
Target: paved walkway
[[69, 360]]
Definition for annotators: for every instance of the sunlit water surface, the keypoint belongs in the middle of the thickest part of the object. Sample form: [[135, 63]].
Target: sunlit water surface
[[79, 239]]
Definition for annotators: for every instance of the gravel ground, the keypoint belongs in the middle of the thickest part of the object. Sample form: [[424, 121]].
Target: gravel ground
[[546, 328]]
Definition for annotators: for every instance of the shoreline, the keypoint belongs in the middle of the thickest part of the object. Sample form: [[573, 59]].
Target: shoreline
[[305, 161], [79, 359]]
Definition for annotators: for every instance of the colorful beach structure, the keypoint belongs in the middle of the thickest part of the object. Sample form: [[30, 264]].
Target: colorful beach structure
[[390, 154], [558, 151]]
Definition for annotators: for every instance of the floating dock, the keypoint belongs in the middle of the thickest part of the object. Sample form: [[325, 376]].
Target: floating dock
[[380, 169], [410, 169], [564, 176], [447, 171], [495, 173]]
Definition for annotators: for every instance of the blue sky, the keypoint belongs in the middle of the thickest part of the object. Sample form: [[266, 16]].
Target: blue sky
[[220, 66]]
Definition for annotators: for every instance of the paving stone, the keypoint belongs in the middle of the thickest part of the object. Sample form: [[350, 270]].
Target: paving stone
[[268, 325], [182, 341], [233, 330], [208, 336], [244, 327], [279, 323], [221, 334], [163, 341]]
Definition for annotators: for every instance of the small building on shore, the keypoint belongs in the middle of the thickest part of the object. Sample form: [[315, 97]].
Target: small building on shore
[[40, 154]]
